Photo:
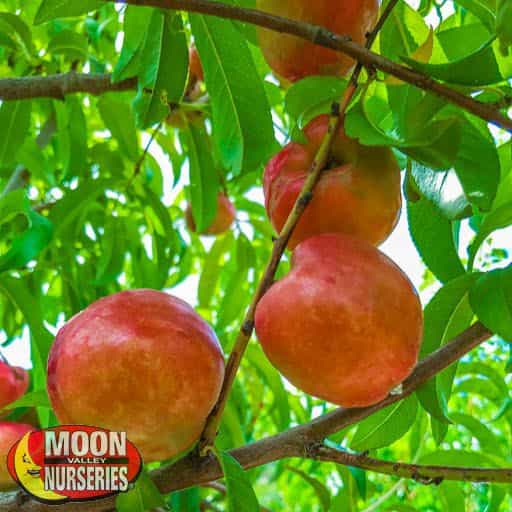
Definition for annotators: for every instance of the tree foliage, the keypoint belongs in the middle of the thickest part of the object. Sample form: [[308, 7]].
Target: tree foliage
[[96, 185]]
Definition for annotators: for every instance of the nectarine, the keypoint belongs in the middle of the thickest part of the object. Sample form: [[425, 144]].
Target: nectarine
[[358, 195], [13, 383], [10, 433], [222, 221], [345, 325], [293, 58], [142, 362]]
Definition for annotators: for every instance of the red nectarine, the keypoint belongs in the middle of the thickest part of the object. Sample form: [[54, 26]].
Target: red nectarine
[[142, 362], [358, 195], [345, 325], [293, 58], [223, 220], [10, 433], [13, 383]]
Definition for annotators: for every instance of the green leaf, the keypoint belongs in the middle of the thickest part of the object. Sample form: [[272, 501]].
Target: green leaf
[[240, 494], [478, 68], [452, 497], [165, 42], [69, 43], [37, 398], [432, 234], [488, 441], [15, 33], [504, 25], [386, 426], [212, 267], [118, 118], [443, 189], [23, 298], [136, 27], [51, 9], [323, 493], [491, 299], [306, 96], [14, 127], [499, 218], [204, 180], [29, 244], [242, 125], [445, 316], [186, 501], [144, 496]]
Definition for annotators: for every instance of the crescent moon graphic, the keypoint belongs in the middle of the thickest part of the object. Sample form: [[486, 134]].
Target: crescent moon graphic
[[28, 473]]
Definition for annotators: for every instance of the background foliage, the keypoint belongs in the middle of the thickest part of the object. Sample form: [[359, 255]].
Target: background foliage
[[98, 215]]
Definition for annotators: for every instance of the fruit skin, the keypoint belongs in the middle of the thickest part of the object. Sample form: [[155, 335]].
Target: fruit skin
[[293, 58], [345, 325], [10, 433], [196, 68], [359, 195], [13, 383], [225, 216], [143, 362]]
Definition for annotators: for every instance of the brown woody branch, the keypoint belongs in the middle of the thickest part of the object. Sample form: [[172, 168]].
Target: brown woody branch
[[302, 441], [424, 474], [306, 194], [323, 37], [58, 86]]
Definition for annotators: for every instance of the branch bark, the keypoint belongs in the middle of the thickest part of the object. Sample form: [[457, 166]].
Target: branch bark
[[301, 441], [306, 194], [57, 86], [323, 37], [424, 474]]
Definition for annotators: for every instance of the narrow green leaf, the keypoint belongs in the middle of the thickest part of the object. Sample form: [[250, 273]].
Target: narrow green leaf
[[240, 494], [386, 426], [14, 127], [432, 234], [144, 496], [491, 299], [242, 124], [51, 9]]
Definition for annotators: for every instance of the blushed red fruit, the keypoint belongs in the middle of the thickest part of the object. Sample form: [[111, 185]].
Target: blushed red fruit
[[358, 195], [294, 58], [345, 325], [196, 68], [13, 383], [223, 219], [142, 362], [10, 433]]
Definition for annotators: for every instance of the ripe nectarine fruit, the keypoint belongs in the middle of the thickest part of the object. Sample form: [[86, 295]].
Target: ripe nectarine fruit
[[222, 221], [359, 194], [10, 433], [142, 362], [345, 325], [293, 58], [13, 383]]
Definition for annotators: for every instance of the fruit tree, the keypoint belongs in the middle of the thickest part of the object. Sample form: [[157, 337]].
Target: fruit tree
[[270, 240]]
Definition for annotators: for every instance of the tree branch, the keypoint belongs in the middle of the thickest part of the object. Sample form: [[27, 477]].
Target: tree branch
[[57, 86], [297, 442], [323, 37], [423, 474], [305, 196]]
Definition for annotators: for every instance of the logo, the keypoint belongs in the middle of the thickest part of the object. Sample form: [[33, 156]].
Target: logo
[[74, 463]]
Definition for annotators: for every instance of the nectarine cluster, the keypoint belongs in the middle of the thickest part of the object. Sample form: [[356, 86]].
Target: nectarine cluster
[[345, 324]]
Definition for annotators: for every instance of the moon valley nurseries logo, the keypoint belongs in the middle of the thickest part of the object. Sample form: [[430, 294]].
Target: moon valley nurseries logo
[[74, 463]]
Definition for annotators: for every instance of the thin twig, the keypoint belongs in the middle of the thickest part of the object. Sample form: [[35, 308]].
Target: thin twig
[[306, 195]]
